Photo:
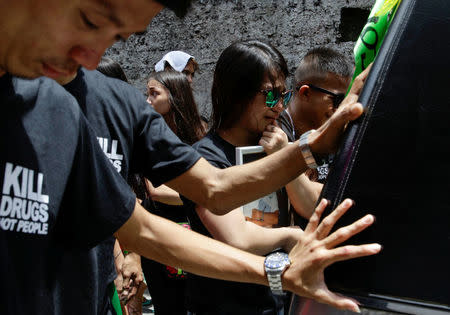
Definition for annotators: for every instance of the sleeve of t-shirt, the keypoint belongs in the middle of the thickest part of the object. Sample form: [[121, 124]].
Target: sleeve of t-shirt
[[158, 153], [97, 200], [212, 157], [284, 125]]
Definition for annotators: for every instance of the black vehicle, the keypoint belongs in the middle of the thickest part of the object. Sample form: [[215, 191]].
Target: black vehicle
[[395, 164]]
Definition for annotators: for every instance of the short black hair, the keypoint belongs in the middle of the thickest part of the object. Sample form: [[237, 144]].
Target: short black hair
[[238, 76], [112, 69], [180, 7], [318, 62]]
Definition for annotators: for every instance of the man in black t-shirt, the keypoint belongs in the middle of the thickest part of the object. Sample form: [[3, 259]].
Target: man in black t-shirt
[[321, 80], [66, 196], [53, 207], [123, 121]]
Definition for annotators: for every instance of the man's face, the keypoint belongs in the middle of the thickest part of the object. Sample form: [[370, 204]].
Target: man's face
[[54, 37], [257, 115], [315, 107]]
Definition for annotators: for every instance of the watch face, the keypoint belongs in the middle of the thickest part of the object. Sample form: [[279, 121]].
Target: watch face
[[277, 260]]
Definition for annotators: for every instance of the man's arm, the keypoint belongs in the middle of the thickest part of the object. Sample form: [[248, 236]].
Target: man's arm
[[164, 194], [303, 195], [118, 262], [233, 229], [221, 190], [302, 192], [166, 242]]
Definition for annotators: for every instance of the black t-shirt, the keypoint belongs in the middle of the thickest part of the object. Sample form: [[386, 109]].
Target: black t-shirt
[[60, 197], [207, 294], [132, 134], [135, 139]]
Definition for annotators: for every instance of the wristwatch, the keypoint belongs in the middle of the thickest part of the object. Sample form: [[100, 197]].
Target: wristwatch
[[306, 151], [312, 160], [275, 264]]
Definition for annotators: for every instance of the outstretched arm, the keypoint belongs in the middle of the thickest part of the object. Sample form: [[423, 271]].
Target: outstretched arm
[[170, 244], [166, 242], [233, 229], [221, 190]]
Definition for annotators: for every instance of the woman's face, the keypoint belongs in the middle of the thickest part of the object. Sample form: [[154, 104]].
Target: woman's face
[[158, 97], [189, 71], [257, 115]]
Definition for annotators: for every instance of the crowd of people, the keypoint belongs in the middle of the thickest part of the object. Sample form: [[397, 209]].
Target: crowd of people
[[97, 175]]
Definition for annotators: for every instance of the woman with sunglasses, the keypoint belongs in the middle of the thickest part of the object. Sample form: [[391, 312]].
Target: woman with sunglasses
[[248, 94]]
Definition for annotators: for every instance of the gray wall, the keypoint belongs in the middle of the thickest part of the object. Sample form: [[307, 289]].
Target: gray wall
[[210, 26]]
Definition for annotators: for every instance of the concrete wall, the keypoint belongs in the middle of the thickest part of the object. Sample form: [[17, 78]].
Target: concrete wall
[[211, 25]]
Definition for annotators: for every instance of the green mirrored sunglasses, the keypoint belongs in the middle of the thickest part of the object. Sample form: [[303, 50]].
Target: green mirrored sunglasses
[[274, 96]]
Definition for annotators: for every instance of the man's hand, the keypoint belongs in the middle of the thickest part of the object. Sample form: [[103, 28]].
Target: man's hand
[[118, 282], [326, 139], [317, 250], [273, 138], [118, 262], [132, 276]]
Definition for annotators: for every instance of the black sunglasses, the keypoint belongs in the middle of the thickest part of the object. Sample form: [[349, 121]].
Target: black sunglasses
[[337, 98]]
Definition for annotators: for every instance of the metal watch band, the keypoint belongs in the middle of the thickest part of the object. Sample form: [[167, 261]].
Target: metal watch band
[[306, 152], [275, 283]]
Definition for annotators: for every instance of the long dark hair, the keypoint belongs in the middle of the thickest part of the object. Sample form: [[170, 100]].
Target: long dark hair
[[238, 76], [183, 117]]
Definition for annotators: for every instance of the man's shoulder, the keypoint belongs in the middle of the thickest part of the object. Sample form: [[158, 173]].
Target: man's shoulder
[[45, 98], [284, 122], [206, 141], [102, 99], [283, 118], [44, 88], [216, 150], [100, 85], [212, 142]]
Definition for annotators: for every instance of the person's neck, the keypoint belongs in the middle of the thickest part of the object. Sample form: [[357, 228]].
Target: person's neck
[[299, 126], [67, 79], [239, 137], [2, 72]]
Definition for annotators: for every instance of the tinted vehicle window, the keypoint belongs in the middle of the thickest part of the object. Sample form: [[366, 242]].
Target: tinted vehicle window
[[395, 164]]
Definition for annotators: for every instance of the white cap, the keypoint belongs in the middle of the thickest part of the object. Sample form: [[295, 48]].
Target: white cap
[[176, 59]]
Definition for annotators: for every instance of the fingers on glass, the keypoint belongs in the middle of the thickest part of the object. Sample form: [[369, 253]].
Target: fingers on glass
[[315, 218], [328, 222]]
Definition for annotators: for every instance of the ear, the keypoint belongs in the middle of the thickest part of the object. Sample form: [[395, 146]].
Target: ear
[[304, 91]]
